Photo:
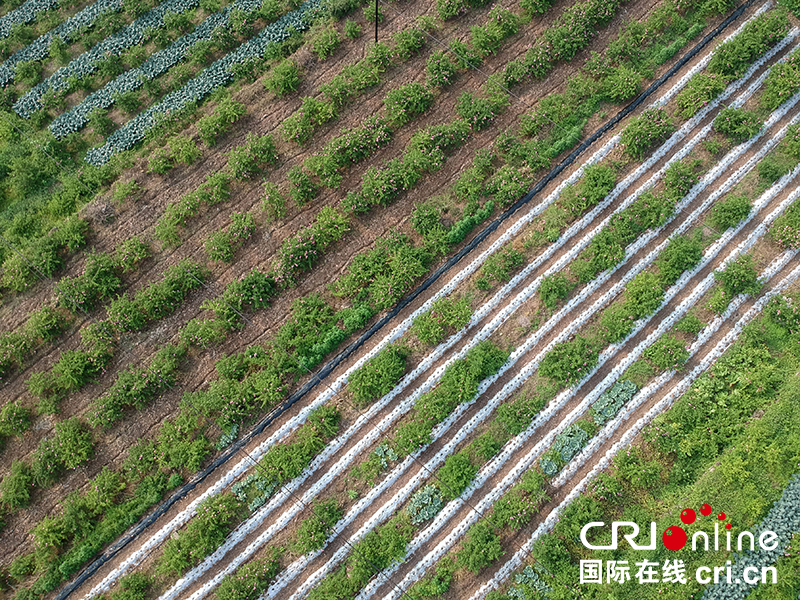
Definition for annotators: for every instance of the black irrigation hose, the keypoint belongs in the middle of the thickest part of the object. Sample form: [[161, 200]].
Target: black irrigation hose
[[326, 370]]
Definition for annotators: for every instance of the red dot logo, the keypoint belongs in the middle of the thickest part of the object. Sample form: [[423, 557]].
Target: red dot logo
[[727, 525], [721, 516], [674, 538], [705, 510], [688, 516]]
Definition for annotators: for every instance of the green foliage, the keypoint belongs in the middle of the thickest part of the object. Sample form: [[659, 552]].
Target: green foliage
[[300, 125], [568, 362], [252, 579], [480, 548], [352, 29], [283, 78], [644, 132], [737, 124], [515, 416], [667, 353], [214, 126], [499, 266], [535, 7], [739, 277], [480, 112], [451, 9], [679, 178], [215, 518], [730, 212], [446, 316], [378, 376], [304, 249], [324, 40], [502, 23], [98, 282], [681, 254], [222, 244], [70, 446], [273, 202], [732, 58], [441, 69], [554, 288], [456, 474], [596, 183], [643, 295], [45, 324], [16, 486], [314, 530], [252, 157], [507, 185], [407, 102], [782, 82], [690, 324], [701, 89]]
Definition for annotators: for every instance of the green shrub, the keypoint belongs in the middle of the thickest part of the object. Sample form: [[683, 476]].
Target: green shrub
[[680, 177], [730, 212], [681, 254], [644, 294], [480, 548], [507, 185], [407, 102], [303, 188], [130, 252], [535, 7], [450, 9], [690, 324], [667, 353], [732, 58], [273, 202], [45, 324], [701, 89], [441, 69], [480, 112], [378, 376], [70, 446], [621, 84], [352, 29], [252, 579], [98, 282], [644, 132], [407, 42], [213, 126], [446, 316], [215, 518], [15, 419], [782, 82], [300, 125], [737, 124], [554, 288], [456, 474], [324, 41], [739, 277], [596, 183], [616, 322], [314, 530], [16, 486], [284, 78], [252, 157], [568, 362], [499, 266]]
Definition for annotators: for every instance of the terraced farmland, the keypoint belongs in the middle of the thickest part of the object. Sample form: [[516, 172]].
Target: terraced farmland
[[289, 314]]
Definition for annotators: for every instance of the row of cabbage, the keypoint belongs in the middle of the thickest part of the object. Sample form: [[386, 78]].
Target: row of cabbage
[[27, 13], [68, 32], [217, 75], [157, 64]]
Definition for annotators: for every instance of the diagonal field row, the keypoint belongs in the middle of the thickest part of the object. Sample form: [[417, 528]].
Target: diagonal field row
[[643, 186]]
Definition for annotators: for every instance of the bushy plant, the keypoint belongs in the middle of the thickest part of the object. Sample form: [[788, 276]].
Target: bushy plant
[[273, 202], [480, 112], [213, 126], [70, 446], [701, 89], [315, 529], [681, 254], [130, 253], [407, 102], [251, 158], [283, 78], [644, 294], [782, 82], [252, 579], [498, 267], [378, 376], [739, 277], [568, 362], [680, 176], [645, 131], [456, 474], [445, 316], [507, 185], [737, 124], [730, 211], [441, 69], [732, 58], [451, 9], [667, 353], [300, 125], [16, 486], [480, 548], [690, 324], [554, 288], [325, 40]]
